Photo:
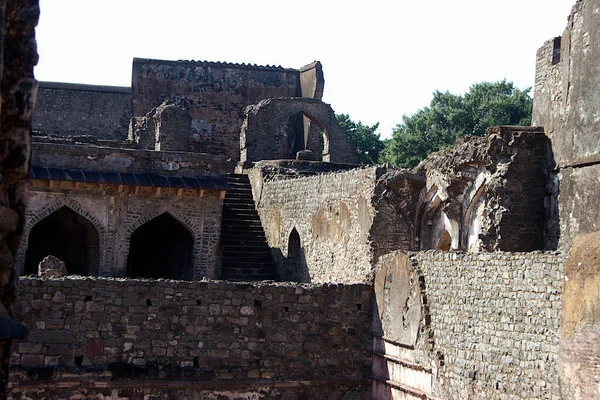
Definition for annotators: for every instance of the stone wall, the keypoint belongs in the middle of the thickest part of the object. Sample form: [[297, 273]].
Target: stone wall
[[485, 325], [132, 339], [66, 109], [116, 212], [331, 213], [489, 193], [580, 322], [567, 103], [214, 94], [108, 159], [268, 131], [18, 55]]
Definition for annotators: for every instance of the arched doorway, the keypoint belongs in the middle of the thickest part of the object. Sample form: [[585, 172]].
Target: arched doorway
[[161, 248], [293, 256], [70, 237]]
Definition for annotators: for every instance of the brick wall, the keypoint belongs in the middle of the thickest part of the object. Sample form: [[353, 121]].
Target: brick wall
[[332, 214], [63, 109], [135, 338], [488, 322]]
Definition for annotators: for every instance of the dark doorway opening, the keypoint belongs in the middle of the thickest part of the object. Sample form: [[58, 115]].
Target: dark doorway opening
[[70, 237], [161, 248], [293, 258]]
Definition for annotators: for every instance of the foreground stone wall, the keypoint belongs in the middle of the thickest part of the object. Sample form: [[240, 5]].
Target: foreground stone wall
[[18, 55], [215, 340], [98, 112], [567, 103], [481, 325], [331, 213]]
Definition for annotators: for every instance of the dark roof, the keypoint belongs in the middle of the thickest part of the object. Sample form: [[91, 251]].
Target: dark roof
[[128, 178]]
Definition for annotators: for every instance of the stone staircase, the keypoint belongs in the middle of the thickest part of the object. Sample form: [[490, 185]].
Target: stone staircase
[[246, 255]]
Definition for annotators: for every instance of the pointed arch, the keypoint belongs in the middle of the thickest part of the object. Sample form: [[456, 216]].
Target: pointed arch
[[294, 251], [65, 234], [161, 248]]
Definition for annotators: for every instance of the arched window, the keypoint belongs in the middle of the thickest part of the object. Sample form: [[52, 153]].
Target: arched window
[[70, 237], [161, 248]]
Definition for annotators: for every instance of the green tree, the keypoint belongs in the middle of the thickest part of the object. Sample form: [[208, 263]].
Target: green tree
[[451, 116], [364, 137]]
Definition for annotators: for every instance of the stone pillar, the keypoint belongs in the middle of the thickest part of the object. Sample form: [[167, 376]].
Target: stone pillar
[[18, 56]]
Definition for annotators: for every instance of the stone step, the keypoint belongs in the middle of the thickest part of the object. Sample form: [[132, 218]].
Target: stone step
[[400, 370], [246, 255]]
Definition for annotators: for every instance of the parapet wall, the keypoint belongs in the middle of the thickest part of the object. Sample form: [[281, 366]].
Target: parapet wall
[[484, 324], [331, 214], [136, 338], [99, 112]]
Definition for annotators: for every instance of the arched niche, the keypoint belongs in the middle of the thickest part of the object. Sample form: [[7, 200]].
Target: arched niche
[[294, 253], [161, 248], [67, 235]]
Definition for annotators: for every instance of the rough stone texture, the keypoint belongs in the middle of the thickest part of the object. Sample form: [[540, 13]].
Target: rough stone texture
[[567, 104], [66, 109], [488, 322], [332, 214], [106, 159], [116, 212], [18, 55], [268, 134], [136, 338], [489, 193], [164, 128], [396, 199], [214, 93], [52, 267], [580, 322]]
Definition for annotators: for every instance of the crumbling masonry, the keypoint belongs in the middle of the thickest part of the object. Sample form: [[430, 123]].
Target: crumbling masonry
[[220, 242]]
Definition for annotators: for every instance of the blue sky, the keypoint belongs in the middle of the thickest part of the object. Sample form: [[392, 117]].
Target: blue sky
[[381, 59]]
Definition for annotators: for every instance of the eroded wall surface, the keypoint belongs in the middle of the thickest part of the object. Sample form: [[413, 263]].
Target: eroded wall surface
[[214, 94], [567, 104], [86, 112], [470, 325], [580, 322], [332, 214], [132, 339]]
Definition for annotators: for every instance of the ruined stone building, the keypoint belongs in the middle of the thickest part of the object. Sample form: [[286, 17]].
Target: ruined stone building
[[220, 242]]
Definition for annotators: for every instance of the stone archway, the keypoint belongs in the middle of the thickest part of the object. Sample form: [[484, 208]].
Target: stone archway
[[161, 248], [67, 235], [261, 134]]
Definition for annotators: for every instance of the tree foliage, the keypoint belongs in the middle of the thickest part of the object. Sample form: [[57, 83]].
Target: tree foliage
[[364, 137], [451, 116]]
